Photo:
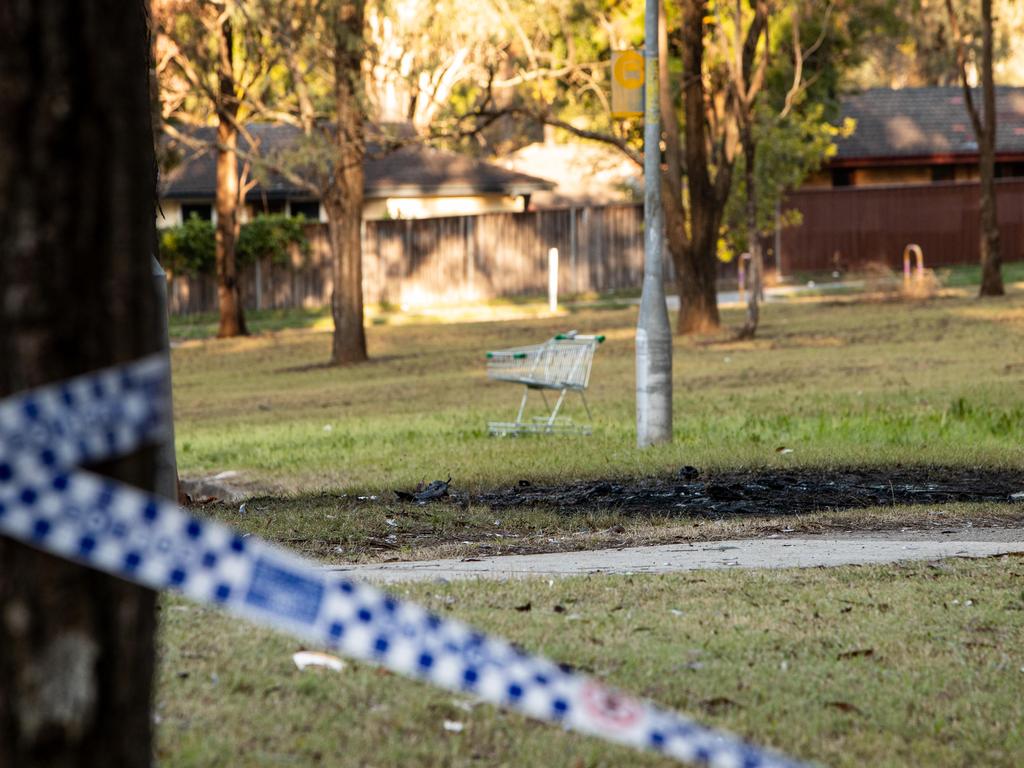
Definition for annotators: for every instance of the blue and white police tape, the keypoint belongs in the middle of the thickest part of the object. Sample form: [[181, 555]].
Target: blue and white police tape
[[47, 502]]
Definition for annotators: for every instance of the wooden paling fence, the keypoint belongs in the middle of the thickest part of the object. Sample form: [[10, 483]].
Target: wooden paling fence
[[849, 228], [423, 262]]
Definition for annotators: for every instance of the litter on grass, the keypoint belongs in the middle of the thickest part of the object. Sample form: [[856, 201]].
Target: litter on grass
[[304, 659]]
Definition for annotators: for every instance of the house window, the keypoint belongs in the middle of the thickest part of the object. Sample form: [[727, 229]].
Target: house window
[[203, 210], [842, 177], [942, 172], [308, 208]]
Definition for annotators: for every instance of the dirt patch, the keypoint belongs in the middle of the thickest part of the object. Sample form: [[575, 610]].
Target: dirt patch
[[767, 492]]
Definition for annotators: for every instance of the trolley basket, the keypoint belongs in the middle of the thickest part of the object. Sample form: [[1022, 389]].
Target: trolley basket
[[559, 364]]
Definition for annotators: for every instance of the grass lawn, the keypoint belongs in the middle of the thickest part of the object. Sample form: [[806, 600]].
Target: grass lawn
[[917, 664], [839, 383]]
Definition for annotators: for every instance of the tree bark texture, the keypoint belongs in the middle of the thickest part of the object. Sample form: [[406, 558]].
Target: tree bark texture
[[677, 239], [344, 194], [695, 266], [77, 197], [991, 274], [232, 318]]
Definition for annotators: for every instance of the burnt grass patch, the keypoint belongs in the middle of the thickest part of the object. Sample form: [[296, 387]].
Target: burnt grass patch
[[691, 493]]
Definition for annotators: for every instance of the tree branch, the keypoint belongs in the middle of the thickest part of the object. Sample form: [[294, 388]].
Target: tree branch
[[621, 144], [961, 63]]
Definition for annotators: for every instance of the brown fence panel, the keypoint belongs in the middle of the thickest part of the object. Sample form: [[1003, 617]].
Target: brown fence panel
[[851, 227], [419, 262]]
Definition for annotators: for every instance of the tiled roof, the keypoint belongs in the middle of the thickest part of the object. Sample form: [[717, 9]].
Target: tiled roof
[[410, 171], [922, 122]]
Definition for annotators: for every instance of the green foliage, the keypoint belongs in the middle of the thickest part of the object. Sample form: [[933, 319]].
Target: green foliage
[[190, 248], [788, 150], [272, 237]]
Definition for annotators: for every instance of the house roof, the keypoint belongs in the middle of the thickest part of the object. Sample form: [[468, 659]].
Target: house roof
[[583, 173], [925, 123], [412, 170]]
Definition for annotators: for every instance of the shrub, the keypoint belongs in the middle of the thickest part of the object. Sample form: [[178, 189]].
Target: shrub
[[189, 248], [271, 236]]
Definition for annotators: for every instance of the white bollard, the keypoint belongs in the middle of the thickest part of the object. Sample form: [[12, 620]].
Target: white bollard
[[553, 280]]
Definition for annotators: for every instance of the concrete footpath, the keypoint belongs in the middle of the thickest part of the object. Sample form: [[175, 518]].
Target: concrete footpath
[[670, 558]]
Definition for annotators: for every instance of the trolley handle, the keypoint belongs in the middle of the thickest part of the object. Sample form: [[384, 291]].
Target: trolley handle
[[572, 335], [512, 355]]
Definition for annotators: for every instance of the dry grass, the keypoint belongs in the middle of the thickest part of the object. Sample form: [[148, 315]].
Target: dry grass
[[936, 381], [917, 664]]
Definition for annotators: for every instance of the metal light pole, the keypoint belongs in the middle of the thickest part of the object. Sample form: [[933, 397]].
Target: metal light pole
[[653, 333]]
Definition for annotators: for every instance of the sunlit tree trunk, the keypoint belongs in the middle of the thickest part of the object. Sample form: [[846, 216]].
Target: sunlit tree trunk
[[77, 203], [696, 271], [232, 318], [344, 196]]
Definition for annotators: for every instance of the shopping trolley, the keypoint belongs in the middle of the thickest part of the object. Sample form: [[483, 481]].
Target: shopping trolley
[[561, 363]]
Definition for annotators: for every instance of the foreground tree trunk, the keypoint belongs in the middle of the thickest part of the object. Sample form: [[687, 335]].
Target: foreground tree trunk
[[344, 195], [232, 318], [77, 191]]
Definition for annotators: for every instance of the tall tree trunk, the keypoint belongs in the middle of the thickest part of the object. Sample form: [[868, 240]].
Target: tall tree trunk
[[696, 271], [77, 191], [677, 237], [991, 275], [232, 318], [344, 198], [756, 271]]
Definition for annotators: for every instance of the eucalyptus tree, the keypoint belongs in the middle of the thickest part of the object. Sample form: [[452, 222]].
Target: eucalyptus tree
[[984, 124], [318, 50], [208, 63]]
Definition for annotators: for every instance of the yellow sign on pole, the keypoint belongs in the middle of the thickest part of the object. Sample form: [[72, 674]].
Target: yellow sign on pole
[[627, 84]]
